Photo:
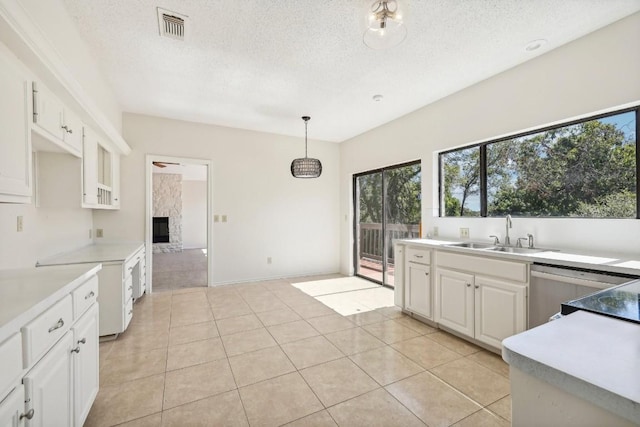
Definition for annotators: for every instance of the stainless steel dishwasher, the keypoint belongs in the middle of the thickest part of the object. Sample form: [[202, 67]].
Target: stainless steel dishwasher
[[552, 285]]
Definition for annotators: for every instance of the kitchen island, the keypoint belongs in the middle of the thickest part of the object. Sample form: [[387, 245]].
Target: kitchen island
[[580, 370]]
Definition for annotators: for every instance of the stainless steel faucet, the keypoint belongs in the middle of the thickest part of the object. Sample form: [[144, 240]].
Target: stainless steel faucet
[[507, 239], [496, 241], [530, 236]]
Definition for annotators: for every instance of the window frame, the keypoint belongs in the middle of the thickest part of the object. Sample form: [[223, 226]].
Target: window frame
[[482, 146]]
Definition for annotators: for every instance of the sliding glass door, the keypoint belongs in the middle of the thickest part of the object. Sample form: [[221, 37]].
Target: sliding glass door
[[387, 207]]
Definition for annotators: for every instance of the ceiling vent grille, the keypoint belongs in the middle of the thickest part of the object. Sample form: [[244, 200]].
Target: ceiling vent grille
[[171, 24]]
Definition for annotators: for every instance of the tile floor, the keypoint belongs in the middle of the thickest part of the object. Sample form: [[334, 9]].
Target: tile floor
[[268, 354], [178, 270]]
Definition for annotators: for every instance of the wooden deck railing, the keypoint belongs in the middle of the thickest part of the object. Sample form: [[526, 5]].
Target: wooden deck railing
[[371, 239]]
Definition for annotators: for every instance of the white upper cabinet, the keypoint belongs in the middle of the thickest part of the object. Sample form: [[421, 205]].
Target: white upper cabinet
[[15, 138], [55, 122], [100, 174]]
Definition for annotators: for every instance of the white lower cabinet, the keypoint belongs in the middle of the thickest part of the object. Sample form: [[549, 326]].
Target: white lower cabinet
[[418, 277], [48, 386], [85, 368], [488, 309], [500, 310], [12, 413], [455, 300]]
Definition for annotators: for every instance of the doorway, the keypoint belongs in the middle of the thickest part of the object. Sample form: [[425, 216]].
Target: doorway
[[178, 234], [387, 206]]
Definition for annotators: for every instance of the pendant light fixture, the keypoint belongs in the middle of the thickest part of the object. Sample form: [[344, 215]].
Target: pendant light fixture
[[385, 26], [306, 167]]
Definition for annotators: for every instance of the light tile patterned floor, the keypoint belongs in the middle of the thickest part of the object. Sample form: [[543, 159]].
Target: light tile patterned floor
[[267, 354]]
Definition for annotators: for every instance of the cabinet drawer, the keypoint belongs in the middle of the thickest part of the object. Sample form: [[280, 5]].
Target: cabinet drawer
[[128, 288], [130, 264], [84, 296], [39, 335], [487, 266], [11, 363], [418, 255], [128, 313]]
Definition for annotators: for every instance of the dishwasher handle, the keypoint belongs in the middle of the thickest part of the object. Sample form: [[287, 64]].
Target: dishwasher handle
[[572, 280]]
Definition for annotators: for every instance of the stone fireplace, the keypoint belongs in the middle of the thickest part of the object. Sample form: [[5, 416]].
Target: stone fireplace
[[167, 212]]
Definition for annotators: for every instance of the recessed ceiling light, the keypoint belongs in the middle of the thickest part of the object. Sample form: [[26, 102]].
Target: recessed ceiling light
[[535, 45], [377, 98]]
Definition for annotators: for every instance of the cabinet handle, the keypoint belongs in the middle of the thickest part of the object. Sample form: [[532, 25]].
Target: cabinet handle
[[130, 288], [89, 295], [130, 311], [58, 325], [76, 350], [426, 274], [419, 256], [130, 268], [82, 341], [477, 286], [28, 415], [468, 285]]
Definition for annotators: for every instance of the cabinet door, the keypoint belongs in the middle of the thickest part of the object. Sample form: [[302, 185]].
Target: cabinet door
[[89, 169], [500, 310], [48, 387], [73, 132], [398, 290], [48, 113], [455, 300], [12, 407], [115, 181], [418, 285], [85, 364], [15, 137]]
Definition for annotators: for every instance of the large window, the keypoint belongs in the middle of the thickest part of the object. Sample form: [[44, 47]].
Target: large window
[[582, 169]]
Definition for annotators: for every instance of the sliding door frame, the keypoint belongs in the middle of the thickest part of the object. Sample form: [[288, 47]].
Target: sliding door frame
[[356, 218]]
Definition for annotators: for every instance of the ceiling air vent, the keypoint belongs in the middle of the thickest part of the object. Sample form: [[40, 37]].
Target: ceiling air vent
[[171, 24]]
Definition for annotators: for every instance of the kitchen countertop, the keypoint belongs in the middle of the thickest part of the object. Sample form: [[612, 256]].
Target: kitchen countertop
[[108, 252], [579, 354], [612, 263], [25, 293]]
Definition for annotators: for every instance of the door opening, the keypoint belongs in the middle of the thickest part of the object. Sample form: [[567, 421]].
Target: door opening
[[387, 207], [178, 234]]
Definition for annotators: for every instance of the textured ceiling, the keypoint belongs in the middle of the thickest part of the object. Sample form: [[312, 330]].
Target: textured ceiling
[[261, 64]]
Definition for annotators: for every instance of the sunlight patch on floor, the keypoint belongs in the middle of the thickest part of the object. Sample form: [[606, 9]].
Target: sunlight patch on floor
[[348, 295]]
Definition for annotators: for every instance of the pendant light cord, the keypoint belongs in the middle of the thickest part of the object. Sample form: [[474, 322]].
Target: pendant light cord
[[305, 138]]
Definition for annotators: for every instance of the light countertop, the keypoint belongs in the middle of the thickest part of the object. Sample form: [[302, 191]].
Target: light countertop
[[594, 357], [103, 253], [592, 260], [25, 293]]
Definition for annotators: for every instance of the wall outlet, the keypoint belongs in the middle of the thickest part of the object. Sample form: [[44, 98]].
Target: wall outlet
[[435, 231], [464, 233], [216, 218], [224, 218], [19, 224], [99, 233], [269, 260]]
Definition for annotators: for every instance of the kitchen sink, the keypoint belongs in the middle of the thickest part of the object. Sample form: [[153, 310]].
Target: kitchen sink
[[473, 245], [516, 250]]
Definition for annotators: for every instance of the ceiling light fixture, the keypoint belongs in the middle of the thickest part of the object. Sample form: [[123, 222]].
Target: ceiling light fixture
[[385, 26], [306, 167]]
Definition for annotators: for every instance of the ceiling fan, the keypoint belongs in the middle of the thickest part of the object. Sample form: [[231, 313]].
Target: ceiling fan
[[163, 164]]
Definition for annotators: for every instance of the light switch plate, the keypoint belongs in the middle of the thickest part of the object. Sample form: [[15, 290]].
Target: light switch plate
[[224, 218], [99, 233], [216, 218]]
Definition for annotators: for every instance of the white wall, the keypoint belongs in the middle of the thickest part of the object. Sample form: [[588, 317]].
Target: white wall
[[270, 213], [58, 225], [194, 214], [593, 73]]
